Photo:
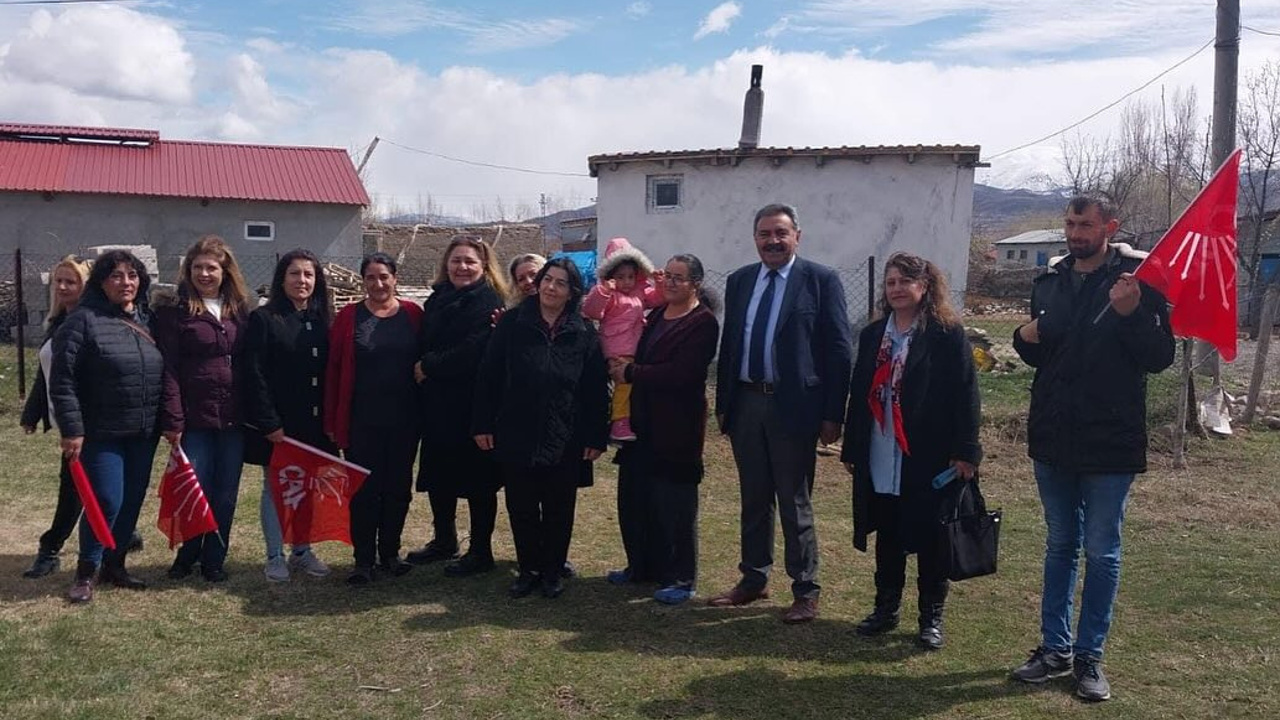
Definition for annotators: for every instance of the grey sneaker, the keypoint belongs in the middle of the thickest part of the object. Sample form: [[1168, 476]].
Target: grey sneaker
[[1043, 665], [1091, 684], [277, 570], [308, 563]]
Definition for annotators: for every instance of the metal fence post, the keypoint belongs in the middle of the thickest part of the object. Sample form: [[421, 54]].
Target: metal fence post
[[22, 324], [871, 287]]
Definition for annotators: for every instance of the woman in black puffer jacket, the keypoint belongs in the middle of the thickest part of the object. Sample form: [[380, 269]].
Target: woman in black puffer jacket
[[542, 409], [105, 387]]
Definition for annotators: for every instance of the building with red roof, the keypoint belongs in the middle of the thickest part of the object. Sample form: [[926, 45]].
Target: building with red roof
[[66, 189]]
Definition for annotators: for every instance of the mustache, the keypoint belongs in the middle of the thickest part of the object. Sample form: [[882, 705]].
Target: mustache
[[774, 247]]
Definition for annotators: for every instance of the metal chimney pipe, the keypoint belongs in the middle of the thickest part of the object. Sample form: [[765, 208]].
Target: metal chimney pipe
[[752, 111]]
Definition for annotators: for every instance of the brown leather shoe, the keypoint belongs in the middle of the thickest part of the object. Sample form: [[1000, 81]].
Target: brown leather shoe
[[801, 611], [82, 589], [738, 595]]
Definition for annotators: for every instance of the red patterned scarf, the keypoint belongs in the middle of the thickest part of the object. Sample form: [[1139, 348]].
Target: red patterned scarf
[[889, 372]]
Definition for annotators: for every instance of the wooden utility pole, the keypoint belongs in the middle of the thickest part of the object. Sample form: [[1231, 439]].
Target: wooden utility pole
[[367, 154], [1226, 63]]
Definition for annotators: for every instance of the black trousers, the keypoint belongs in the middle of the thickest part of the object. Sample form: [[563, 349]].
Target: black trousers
[[66, 516], [677, 524], [379, 508], [891, 555], [484, 515], [541, 503], [637, 510]]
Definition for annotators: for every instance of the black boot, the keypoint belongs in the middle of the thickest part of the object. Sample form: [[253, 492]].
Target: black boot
[[46, 563], [134, 545], [82, 588], [885, 616], [434, 551], [933, 599], [113, 572]]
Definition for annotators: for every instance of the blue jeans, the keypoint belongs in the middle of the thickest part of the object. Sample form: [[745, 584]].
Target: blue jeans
[[218, 457], [1080, 510], [119, 471], [271, 530]]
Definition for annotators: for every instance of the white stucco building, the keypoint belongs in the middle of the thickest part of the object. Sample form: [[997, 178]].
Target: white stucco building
[[853, 202], [1033, 249]]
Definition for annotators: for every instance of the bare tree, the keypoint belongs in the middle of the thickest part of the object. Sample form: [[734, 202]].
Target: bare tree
[[1259, 129]]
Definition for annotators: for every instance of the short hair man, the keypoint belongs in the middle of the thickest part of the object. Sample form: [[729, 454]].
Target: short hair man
[[782, 378], [1087, 429]]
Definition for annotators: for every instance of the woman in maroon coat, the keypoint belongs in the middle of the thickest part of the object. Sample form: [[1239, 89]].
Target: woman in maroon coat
[[659, 474], [201, 338]]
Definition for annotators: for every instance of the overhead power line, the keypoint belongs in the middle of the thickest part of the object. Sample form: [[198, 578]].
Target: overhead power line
[[1098, 112], [65, 2], [478, 163], [1260, 32]]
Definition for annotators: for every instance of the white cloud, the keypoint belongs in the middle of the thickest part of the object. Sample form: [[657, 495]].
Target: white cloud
[[718, 20], [777, 28], [519, 34], [638, 10], [995, 29], [254, 105], [104, 51], [390, 18]]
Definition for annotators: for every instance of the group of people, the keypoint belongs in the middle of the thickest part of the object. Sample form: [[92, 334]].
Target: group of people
[[518, 378]]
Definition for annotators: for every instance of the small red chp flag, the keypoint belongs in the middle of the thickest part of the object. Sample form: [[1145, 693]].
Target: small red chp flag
[[312, 492], [1194, 264], [184, 510]]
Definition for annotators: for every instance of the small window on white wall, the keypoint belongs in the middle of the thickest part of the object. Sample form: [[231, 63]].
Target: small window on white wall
[[665, 193], [263, 230]]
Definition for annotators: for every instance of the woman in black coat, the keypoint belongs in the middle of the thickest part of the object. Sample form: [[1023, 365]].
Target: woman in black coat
[[105, 384], [659, 473], [913, 413], [542, 409], [456, 325], [286, 348]]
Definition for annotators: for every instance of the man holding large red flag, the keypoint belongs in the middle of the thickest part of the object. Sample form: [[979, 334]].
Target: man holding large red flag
[[1087, 428]]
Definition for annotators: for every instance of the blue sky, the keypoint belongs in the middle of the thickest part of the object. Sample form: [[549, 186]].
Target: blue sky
[[542, 85]]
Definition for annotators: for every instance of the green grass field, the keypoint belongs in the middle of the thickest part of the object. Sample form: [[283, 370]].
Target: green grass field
[[1197, 628]]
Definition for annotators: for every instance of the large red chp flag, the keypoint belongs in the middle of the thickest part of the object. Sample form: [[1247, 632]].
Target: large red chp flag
[[1194, 264], [312, 491]]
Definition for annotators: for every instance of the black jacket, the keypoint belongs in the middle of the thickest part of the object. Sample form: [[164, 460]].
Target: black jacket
[[35, 411], [542, 396], [1089, 398], [941, 412], [284, 365], [106, 380], [456, 325]]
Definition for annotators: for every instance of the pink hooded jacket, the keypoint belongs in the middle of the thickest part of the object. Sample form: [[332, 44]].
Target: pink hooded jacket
[[621, 315]]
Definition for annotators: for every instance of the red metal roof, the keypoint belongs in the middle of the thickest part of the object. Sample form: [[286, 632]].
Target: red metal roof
[[165, 168]]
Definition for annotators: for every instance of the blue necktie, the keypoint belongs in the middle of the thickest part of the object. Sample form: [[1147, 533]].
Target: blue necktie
[[759, 329]]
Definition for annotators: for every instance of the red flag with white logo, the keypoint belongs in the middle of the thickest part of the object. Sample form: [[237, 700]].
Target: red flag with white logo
[[1194, 264], [184, 510], [312, 492]]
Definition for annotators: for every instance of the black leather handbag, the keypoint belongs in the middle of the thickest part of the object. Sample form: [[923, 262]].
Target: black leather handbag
[[968, 534]]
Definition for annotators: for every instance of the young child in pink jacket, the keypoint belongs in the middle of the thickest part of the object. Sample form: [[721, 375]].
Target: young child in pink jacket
[[619, 302]]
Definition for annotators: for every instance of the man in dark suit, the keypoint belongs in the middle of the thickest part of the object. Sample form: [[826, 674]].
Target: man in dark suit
[[782, 381]]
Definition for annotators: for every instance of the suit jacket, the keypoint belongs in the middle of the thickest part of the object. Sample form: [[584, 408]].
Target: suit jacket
[[941, 412], [812, 346]]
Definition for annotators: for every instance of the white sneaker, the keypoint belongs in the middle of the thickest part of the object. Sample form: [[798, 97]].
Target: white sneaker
[[277, 569], [308, 563]]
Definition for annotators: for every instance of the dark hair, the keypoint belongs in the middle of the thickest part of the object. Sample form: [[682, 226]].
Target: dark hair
[[576, 287], [380, 258], [935, 306], [696, 275], [635, 267], [318, 303], [776, 209], [1079, 204], [104, 265]]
